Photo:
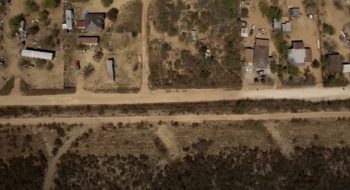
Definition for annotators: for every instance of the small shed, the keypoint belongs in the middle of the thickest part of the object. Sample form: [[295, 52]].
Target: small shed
[[346, 68], [110, 69], [89, 40], [287, 26], [294, 12], [277, 25]]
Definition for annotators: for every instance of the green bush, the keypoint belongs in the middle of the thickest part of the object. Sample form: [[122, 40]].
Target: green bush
[[281, 44], [112, 14], [244, 12], [106, 3], [43, 15], [33, 30]]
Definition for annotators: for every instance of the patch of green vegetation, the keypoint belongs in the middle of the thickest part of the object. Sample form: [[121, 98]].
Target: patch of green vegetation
[[33, 30], [43, 15], [281, 44], [270, 11]]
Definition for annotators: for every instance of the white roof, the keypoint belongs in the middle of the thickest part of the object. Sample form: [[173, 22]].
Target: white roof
[[69, 19], [297, 56], [37, 54], [346, 68], [245, 32]]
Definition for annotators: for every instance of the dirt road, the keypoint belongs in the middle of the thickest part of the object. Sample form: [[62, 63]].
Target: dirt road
[[192, 95], [179, 118], [144, 41]]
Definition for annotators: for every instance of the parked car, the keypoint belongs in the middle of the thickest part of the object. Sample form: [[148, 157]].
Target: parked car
[[77, 65]]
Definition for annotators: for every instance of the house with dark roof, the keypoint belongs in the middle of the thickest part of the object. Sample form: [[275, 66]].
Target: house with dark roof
[[261, 54], [93, 22], [298, 54]]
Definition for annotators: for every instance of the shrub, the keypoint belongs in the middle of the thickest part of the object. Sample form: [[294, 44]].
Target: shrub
[[245, 12], [112, 14], [43, 15], [88, 70], [106, 3], [328, 29], [33, 30]]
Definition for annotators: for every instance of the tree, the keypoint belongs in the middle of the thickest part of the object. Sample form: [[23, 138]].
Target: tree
[[315, 64], [51, 3], [328, 29], [112, 14], [33, 30], [43, 15], [245, 12], [106, 3], [88, 70]]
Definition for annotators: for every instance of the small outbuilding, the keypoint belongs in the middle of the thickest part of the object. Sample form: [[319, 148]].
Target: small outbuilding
[[110, 69], [346, 68], [294, 12], [89, 40]]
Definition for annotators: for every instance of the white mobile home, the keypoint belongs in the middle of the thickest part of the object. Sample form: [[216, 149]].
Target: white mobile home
[[69, 19], [37, 54]]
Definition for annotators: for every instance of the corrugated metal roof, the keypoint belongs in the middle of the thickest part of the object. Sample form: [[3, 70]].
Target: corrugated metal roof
[[297, 56], [69, 19], [37, 54]]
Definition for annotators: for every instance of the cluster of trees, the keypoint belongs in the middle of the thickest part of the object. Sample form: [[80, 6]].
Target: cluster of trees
[[23, 172], [270, 11], [236, 168], [214, 107]]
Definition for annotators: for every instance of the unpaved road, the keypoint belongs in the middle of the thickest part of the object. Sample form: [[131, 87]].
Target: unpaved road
[[179, 118], [191, 95], [144, 42], [52, 162]]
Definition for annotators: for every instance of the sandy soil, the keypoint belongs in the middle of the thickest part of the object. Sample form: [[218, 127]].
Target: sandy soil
[[179, 118], [192, 95]]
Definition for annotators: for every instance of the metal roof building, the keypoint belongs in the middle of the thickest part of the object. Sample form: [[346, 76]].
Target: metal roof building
[[110, 70], [69, 19], [37, 54], [346, 68]]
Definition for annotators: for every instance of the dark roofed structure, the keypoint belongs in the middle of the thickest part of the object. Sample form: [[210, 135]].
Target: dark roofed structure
[[294, 12], [261, 54], [334, 63], [298, 45], [95, 22]]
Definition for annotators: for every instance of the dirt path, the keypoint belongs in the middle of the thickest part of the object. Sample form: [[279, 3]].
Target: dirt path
[[192, 95], [179, 118], [144, 41], [286, 148], [167, 137], [52, 163], [16, 91]]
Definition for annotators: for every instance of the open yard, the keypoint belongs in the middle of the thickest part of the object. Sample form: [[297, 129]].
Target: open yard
[[194, 44]]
